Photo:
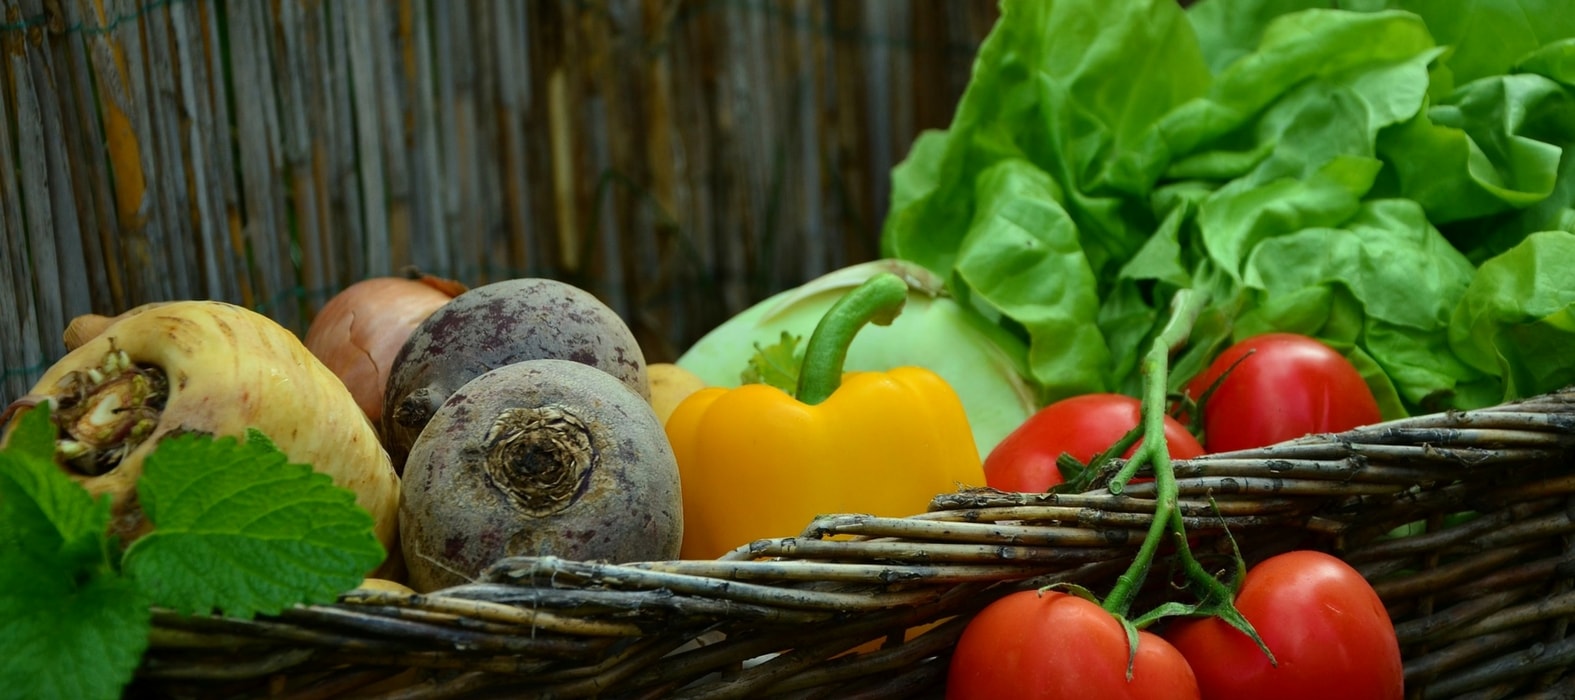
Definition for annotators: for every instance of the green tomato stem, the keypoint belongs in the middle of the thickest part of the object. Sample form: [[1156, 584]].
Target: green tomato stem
[[1215, 598], [1185, 308], [878, 300]]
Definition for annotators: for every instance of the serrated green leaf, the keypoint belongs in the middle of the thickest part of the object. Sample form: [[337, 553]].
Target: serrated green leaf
[[42, 510], [239, 530], [34, 434], [258, 437], [777, 364], [68, 633]]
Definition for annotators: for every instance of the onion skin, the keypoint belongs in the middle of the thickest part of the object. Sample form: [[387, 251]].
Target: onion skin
[[229, 369], [360, 330]]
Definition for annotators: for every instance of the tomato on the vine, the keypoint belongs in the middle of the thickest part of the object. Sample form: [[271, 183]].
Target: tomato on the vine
[[1082, 426], [1051, 645], [1329, 632], [1289, 386]]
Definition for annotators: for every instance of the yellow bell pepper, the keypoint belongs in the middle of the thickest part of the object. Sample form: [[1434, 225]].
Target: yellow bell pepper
[[756, 462]]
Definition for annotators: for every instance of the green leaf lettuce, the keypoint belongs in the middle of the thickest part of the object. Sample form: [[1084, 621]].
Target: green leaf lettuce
[[1335, 172]]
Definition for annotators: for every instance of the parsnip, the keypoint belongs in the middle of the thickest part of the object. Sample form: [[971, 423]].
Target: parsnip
[[211, 367]]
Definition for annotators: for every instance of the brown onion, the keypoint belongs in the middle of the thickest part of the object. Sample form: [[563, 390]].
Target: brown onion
[[360, 330]]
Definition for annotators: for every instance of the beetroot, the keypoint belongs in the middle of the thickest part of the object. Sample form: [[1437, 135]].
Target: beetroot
[[542, 457], [496, 325]]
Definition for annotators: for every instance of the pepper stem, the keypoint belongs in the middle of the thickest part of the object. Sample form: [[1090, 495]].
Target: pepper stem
[[878, 300]]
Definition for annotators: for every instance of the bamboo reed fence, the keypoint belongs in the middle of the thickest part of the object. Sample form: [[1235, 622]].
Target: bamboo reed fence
[[679, 158]]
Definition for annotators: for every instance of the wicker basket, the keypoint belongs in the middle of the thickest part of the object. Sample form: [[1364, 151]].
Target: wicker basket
[[1481, 604]]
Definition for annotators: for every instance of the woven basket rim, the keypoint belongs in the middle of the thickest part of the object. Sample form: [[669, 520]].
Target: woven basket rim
[[782, 614]]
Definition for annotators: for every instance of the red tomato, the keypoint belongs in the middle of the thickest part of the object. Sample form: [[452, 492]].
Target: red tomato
[[1327, 628], [1082, 426], [1034, 646], [1290, 386]]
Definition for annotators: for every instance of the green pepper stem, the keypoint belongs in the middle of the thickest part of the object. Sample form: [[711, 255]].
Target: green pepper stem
[[878, 300]]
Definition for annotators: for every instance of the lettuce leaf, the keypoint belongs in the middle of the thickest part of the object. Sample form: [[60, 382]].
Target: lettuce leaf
[[1516, 322], [1092, 80], [1337, 172], [1487, 37]]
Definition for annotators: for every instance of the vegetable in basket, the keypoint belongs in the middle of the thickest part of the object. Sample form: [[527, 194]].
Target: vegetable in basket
[[670, 385], [493, 326], [1276, 387], [1035, 456], [1049, 645], [1352, 175], [1329, 632], [543, 457], [983, 363], [213, 368], [360, 330], [758, 462]]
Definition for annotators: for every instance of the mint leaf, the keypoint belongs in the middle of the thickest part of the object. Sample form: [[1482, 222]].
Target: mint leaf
[[34, 435], [68, 639], [42, 511], [238, 529], [258, 437], [73, 627]]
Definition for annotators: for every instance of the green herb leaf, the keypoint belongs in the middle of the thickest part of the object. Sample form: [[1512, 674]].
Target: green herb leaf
[[239, 530], [74, 628], [68, 638], [33, 436], [776, 364], [42, 511], [260, 439]]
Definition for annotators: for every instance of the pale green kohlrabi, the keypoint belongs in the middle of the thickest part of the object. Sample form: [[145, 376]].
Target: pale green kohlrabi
[[982, 362]]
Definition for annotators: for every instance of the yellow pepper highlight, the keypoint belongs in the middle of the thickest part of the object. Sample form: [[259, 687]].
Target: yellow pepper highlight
[[755, 462]]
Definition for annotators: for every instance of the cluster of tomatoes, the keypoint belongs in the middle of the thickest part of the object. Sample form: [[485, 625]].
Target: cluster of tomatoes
[[1266, 389], [1327, 629]]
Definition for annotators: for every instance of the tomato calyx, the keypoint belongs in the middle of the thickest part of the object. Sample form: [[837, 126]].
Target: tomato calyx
[[1080, 477], [1192, 408]]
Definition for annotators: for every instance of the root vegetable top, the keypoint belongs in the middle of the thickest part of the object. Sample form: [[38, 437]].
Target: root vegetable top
[[495, 325], [208, 367]]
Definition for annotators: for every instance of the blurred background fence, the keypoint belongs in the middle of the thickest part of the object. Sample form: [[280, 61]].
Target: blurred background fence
[[679, 158]]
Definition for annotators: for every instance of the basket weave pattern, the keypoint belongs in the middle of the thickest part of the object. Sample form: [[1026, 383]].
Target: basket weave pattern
[[1481, 602]]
